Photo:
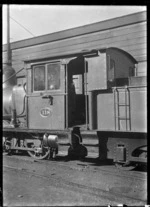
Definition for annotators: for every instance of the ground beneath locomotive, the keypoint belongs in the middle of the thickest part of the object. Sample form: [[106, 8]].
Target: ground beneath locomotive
[[27, 182]]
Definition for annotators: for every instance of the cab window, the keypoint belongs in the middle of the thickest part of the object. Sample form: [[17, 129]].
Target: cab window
[[53, 76], [39, 78]]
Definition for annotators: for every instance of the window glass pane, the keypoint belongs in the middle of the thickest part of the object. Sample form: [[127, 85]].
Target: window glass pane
[[39, 78], [53, 75]]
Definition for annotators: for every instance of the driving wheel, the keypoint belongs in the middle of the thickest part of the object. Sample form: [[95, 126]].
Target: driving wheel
[[40, 151]]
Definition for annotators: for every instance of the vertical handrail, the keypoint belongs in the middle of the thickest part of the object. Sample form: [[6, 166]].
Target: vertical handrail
[[66, 78], [126, 116], [115, 108], [27, 98], [86, 98], [118, 109], [129, 109]]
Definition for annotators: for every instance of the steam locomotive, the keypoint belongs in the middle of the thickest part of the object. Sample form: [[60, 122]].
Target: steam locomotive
[[91, 93]]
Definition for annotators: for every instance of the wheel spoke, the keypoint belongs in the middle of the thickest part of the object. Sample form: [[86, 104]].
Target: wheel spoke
[[39, 152]]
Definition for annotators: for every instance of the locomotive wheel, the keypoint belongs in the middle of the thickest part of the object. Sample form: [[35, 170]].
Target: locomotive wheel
[[143, 165], [6, 146], [6, 123], [40, 152], [124, 166]]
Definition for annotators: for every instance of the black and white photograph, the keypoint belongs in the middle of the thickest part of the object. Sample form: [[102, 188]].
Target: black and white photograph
[[74, 99]]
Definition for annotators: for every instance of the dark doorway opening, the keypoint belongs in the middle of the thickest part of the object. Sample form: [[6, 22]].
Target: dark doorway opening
[[76, 92]]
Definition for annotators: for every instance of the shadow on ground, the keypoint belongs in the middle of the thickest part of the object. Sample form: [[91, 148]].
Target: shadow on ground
[[87, 160]]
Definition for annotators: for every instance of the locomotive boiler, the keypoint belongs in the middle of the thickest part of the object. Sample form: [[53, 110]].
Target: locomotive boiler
[[90, 93]]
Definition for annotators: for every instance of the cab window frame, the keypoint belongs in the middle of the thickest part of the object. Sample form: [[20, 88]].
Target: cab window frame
[[45, 65], [55, 89], [33, 77]]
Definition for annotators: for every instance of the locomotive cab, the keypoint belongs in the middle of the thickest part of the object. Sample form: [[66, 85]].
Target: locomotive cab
[[56, 95], [112, 66], [121, 67], [63, 93], [46, 95]]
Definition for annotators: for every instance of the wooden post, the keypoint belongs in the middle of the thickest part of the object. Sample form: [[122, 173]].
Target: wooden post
[[8, 38]]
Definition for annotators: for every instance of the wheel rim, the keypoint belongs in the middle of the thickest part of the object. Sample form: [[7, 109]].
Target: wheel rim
[[40, 152]]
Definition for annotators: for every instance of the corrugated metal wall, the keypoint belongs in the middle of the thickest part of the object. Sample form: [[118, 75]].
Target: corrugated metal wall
[[129, 37]]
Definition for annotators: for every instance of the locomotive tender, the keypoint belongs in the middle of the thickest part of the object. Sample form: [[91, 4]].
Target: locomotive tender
[[97, 92]]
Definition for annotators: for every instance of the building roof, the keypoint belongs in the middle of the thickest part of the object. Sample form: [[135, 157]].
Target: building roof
[[82, 30]]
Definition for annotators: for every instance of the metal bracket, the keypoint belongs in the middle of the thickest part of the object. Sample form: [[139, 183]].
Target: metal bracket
[[49, 97]]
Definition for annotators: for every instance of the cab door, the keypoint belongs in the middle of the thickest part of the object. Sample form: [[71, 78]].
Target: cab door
[[46, 102]]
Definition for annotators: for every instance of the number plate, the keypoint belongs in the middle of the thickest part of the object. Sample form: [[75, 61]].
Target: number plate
[[45, 112]]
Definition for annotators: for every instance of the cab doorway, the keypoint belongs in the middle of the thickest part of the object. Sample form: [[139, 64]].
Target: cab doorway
[[76, 92]]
